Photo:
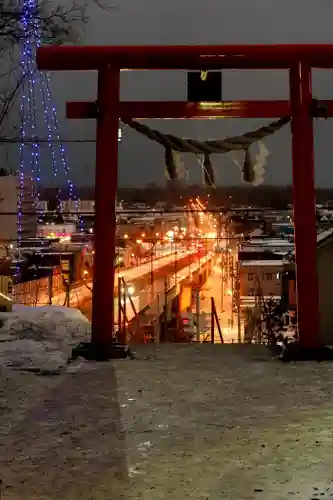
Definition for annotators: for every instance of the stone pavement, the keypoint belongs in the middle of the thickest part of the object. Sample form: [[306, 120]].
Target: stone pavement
[[199, 421], [69, 444]]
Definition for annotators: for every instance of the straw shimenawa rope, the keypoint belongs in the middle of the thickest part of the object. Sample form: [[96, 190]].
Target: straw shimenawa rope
[[238, 143]]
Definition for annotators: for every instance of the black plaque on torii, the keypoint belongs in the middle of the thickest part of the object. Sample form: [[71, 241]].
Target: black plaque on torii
[[204, 86]]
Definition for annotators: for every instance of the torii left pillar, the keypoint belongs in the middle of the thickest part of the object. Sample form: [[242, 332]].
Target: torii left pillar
[[105, 205]]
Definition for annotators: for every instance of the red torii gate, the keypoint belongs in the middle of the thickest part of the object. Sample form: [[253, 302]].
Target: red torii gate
[[109, 61]]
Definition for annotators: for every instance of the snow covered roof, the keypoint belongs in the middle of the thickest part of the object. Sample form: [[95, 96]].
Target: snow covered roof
[[321, 238], [269, 242], [249, 263], [255, 249], [324, 235], [283, 223], [250, 300]]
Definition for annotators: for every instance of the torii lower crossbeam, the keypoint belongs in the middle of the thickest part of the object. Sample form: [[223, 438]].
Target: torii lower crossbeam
[[109, 61]]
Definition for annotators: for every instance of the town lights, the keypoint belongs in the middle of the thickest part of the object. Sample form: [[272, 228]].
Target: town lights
[[125, 236], [129, 289]]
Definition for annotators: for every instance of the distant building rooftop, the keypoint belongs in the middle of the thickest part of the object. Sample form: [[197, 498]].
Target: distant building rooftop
[[249, 263], [269, 242], [257, 249], [322, 237], [249, 300]]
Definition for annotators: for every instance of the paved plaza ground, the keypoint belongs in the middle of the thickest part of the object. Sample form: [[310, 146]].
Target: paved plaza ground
[[180, 421]]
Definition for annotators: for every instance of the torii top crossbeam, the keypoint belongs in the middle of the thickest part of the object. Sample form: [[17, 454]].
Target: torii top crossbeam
[[184, 57]]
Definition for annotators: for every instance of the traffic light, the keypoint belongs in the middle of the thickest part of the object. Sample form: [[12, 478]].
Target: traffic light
[[204, 86]]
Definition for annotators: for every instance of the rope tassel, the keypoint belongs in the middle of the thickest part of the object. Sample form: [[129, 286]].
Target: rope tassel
[[208, 171], [248, 173], [241, 143], [170, 163]]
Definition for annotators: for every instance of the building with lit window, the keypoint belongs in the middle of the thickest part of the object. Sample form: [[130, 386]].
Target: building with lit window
[[260, 277], [325, 282]]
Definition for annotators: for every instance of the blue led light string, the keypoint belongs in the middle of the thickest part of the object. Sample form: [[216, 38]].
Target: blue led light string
[[70, 185], [31, 27], [23, 126], [21, 168], [51, 147], [35, 173], [29, 152], [50, 116], [35, 42]]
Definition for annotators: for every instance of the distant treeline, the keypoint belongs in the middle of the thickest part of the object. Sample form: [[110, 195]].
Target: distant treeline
[[269, 196]]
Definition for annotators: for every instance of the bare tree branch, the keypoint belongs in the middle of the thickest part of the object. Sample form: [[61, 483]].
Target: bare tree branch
[[56, 24]]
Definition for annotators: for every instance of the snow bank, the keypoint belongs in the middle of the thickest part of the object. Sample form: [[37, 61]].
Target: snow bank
[[41, 338]]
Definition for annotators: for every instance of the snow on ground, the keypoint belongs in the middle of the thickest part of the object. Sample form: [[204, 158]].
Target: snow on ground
[[41, 338], [217, 422]]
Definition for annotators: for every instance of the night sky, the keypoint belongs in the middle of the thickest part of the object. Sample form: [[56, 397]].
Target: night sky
[[198, 22]]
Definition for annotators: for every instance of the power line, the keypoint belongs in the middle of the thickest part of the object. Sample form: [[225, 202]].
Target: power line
[[134, 212], [17, 140]]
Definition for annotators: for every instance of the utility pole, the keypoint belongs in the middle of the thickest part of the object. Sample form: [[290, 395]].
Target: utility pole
[[157, 325], [166, 296], [120, 285], [176, 263], [238, 306], [65, 266], [124, 336], [233, 294], [197, 314], [152, 271], [222, 282], [50, 287]]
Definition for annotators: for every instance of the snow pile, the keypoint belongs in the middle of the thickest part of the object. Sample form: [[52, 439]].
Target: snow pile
[[41, 338]]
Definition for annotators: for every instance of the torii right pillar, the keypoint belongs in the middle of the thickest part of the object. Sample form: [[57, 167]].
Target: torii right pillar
[[304, 202]]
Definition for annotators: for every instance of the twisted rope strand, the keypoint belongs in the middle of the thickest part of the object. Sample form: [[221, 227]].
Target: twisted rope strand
[[181, 145]]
